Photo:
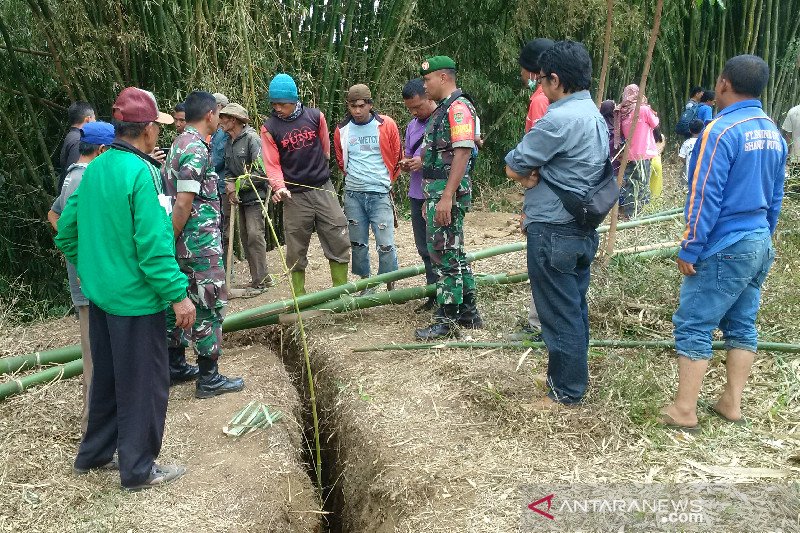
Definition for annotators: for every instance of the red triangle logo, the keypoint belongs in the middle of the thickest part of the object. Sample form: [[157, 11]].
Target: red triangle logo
[[534, 506]]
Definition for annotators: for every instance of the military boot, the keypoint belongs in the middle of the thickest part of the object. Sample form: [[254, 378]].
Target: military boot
[[179, 369], [211, 383], [468, 314], [445, 325]]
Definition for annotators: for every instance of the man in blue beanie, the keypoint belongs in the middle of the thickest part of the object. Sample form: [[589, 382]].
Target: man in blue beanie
[[96, 137], [296, 150]]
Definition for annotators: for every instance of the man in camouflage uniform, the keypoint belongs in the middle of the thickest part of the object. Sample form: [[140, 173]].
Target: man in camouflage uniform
[[448, 157], [190, 179]]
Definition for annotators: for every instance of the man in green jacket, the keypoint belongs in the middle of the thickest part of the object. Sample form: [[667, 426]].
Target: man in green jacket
[[116, 231]]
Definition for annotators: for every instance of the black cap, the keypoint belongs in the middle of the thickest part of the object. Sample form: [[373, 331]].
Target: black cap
[[529, 56]]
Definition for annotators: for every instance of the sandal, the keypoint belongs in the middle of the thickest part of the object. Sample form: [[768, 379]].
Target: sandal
[[669, 423], [738, 422]]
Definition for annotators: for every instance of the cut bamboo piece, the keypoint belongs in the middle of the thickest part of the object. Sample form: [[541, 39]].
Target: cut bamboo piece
[[15, 386]]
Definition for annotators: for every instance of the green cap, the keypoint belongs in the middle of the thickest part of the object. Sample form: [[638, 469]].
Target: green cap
[[432, 64]]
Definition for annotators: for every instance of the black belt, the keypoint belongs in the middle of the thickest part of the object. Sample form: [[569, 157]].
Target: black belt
[[435, 173]]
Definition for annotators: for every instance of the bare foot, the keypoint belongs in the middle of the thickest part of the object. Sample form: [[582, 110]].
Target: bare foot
[[681, 418], [728, 408]]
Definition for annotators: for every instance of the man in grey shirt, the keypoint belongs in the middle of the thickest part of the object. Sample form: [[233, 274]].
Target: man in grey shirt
[[95, 137], [568, 146]]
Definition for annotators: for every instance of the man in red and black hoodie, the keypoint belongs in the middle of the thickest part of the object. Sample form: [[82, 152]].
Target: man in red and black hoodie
[[296, 150]]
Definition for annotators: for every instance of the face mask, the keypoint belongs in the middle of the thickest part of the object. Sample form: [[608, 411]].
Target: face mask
[[532, 83]]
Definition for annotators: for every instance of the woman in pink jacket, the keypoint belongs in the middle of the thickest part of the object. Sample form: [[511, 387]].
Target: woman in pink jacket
[[635, 191]]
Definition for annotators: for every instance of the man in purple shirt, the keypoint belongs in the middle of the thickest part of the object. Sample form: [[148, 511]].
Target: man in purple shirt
[[421, 107]]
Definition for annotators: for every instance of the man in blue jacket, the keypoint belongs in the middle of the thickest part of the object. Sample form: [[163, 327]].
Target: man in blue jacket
[[735, 192]]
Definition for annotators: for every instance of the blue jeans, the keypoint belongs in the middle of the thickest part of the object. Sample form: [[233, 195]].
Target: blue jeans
[[420, 228], [365, 210], [724, 293], [559, 260]]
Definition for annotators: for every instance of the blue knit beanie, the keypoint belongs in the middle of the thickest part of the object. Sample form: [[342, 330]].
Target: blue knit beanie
[[283, 90]]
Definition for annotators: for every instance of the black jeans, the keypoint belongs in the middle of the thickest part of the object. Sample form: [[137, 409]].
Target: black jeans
[[130, 387], [418, 225], [559, 260]]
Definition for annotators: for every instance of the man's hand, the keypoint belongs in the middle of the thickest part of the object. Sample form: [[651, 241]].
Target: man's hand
[[159, 154], [444, 208], [281, 194], [687, 269], [413, 164], [531, 181], [230, 191], [185, 313]]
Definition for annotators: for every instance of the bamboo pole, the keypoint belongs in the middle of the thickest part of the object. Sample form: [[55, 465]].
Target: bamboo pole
[[670, 251], [10, 365], [601, 86], [646, 248], [612, 232], [664, 344], [15, 386]]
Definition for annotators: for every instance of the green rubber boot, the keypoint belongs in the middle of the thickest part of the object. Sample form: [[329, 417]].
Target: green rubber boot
[[299, 282], [338, 273]]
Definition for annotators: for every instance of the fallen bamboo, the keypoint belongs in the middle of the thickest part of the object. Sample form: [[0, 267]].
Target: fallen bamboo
[[19, 363], [670, 251], [15, 386], [236, 322], [664, 344], [646, 248], [395, 297]]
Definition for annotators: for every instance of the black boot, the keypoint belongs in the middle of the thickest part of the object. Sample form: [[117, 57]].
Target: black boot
[[211, 383], [428, 306], [468, 314], [444, 325], [179, 369]]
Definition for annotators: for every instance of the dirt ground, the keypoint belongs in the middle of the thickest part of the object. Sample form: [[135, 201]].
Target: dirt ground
[[255, 483], [416, 441]]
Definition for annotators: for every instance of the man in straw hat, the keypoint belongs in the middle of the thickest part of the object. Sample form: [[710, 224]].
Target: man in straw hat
[[368, 151], [124, 251], [447, 160], [296, 150], [242, 156], [191, 181]]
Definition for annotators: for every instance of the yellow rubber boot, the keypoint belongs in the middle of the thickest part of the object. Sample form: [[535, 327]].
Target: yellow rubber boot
[[299, 282], [338, 273]]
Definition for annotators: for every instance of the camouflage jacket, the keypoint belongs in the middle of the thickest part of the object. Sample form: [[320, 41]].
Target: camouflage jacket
[[188, 168], [457, 130]]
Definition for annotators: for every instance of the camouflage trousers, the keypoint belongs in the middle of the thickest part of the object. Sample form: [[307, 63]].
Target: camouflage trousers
[[208, 293], [446, 248]]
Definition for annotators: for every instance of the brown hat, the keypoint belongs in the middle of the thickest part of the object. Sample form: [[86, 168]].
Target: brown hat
[[137, 105], [236, 111], [359, 92]]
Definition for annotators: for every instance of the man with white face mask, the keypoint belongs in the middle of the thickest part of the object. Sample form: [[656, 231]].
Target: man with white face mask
[[529, 72]]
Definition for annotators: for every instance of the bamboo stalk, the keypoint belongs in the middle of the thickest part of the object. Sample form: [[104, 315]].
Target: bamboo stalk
[[394, 297], [601, 86], [646, 248], [19, 363], [612, 232], [596, 343], [669, 251], [15, 386], [312, 397]]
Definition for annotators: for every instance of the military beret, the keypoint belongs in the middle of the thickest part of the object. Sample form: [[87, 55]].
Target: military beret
[[432, 64]]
